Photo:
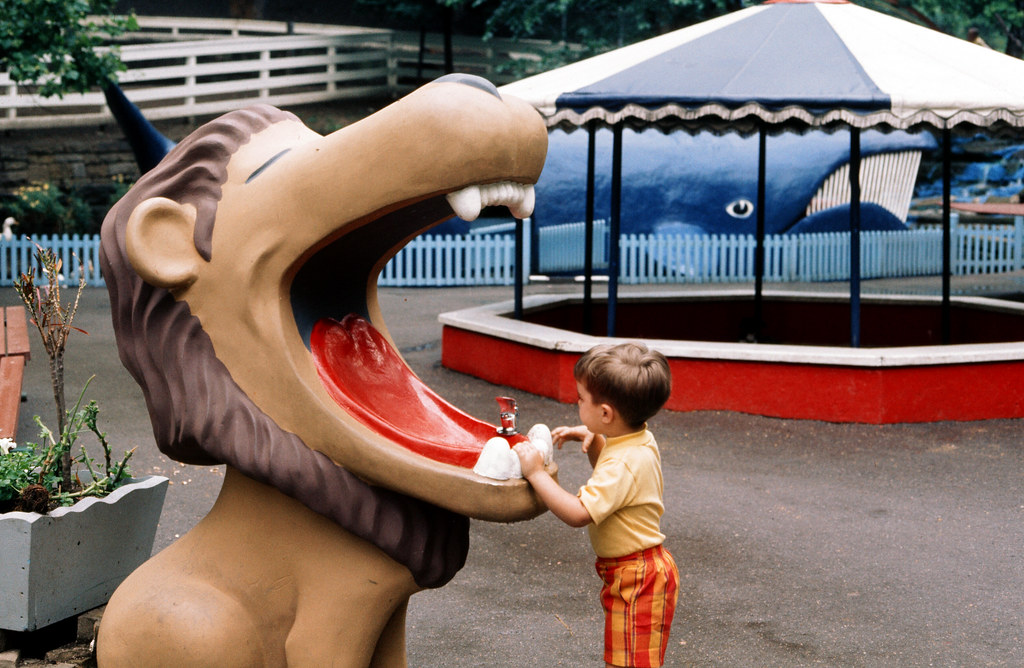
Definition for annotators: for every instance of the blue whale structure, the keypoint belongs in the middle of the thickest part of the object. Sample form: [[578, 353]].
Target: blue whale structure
[[672, 183], [707, 184]]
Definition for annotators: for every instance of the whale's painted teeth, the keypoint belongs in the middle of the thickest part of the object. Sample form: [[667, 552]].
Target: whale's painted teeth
[[468, 202]]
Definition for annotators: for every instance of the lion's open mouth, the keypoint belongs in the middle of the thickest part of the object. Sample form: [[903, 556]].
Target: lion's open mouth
[[368, 378], [358, 366]]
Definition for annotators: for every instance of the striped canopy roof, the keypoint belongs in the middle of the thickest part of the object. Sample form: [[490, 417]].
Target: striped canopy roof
[[788, 63]]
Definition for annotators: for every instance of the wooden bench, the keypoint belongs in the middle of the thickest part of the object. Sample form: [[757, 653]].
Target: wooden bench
[[15, 354]]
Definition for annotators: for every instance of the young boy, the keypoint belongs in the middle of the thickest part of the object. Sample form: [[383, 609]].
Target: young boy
[[620, 387]]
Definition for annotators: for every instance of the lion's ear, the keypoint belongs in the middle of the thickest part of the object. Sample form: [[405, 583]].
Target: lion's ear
[[160, 244]]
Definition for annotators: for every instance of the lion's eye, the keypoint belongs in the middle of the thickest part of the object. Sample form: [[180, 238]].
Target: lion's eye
[[741, 208], [268, 163]]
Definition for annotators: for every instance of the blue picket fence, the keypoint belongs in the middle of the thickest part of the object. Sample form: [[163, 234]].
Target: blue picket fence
[[489, 259], [77, 253], [473, 259], [788, 258]]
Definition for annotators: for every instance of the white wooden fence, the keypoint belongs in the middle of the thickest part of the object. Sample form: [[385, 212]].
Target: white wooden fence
[[489, 259], [186, 67]]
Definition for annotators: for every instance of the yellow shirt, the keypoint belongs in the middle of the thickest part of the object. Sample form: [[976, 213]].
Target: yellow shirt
[[624, 496]]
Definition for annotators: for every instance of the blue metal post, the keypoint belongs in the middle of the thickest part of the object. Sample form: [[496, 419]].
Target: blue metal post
[[588, 243], [947, 255], [759, 250], [614, 227], [855, 237], [519, 270]]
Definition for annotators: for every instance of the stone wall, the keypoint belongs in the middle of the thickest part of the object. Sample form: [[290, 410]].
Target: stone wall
[[83, 160], [72, 157], [88, 159], [67, 157], [87, 156]]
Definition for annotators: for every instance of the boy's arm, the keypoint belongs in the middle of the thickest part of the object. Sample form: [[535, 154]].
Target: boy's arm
[[565, 505]]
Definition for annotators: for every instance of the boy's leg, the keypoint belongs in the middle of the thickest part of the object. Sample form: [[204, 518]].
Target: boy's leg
[[639, 597]]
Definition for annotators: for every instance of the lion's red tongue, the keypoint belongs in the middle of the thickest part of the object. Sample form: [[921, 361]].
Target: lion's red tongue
[[368, 378]]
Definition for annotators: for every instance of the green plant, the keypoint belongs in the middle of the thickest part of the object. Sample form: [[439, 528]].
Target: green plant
[[32, 476], [121, 185], [46, 208], [59, 45], [38, 475]]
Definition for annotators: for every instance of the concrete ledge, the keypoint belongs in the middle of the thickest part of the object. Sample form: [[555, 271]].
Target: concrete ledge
[[869, 385], [496, 320]]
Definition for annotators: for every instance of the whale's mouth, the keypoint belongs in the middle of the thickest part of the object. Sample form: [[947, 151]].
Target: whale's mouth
[[357, 364]]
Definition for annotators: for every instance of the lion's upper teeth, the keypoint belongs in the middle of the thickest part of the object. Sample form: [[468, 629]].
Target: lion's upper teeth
[[468, 202]]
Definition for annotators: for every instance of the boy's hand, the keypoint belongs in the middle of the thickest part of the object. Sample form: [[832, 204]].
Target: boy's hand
[[560, 435], [530, 458], [593, 443], [566, 506]]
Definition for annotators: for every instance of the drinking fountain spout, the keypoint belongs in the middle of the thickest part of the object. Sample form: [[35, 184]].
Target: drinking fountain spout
[[508, 416]]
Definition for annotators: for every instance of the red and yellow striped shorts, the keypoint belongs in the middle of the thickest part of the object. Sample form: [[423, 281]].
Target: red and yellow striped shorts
[[639, 599]]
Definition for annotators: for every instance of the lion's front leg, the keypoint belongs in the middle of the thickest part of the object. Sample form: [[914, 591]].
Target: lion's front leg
[[391, 645], [370, 634]]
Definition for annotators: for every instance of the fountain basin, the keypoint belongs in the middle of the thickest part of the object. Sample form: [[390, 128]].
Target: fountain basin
[[900, 374]]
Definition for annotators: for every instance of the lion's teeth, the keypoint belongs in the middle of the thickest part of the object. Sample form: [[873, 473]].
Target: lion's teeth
[[468, 202], [524, 207], [498, 461]]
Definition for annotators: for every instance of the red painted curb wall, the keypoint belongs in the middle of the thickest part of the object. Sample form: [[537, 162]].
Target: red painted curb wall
[[875, 395]]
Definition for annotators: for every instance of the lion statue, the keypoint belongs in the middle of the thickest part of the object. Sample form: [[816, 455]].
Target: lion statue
[[242, 275]]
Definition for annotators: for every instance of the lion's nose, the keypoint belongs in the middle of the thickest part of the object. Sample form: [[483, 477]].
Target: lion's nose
[[471, 80]]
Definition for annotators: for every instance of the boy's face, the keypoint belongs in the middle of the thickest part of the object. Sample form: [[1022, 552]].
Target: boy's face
[[592, 414]]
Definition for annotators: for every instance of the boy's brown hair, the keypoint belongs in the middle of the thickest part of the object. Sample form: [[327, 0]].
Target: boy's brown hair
[[633, 379]]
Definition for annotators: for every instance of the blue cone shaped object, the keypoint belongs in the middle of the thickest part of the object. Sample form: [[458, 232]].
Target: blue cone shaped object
[[148, 145]]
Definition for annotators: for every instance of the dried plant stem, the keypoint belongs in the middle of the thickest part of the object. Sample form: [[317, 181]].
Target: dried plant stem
[[53, 320]]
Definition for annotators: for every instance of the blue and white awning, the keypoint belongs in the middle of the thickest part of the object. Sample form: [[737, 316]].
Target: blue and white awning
[[788, 62]]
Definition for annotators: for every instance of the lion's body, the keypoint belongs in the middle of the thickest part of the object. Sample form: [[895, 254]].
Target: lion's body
[[247, 587]]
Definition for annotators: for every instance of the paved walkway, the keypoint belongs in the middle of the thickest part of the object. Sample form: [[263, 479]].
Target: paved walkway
[[800, 543]]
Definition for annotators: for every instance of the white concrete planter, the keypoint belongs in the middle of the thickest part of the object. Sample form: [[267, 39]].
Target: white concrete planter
[[67, 562]]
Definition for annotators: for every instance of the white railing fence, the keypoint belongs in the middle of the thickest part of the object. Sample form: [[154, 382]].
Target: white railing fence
[[561, 247], [452, 260], [185, 67], [77, 254], [489, 259], [788, 258]]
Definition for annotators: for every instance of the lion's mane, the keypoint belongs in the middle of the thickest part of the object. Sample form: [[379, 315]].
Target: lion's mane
[[201, 416]]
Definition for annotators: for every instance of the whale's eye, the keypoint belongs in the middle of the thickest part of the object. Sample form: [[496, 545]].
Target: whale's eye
[[740, 208]]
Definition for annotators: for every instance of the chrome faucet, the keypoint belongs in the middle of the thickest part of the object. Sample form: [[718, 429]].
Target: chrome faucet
[[508, 416]]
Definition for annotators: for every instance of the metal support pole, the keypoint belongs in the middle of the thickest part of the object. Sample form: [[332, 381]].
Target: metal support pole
[[759, 234], [614, 227], [947, 245], [588, 243], [855, 237], [520, 252]]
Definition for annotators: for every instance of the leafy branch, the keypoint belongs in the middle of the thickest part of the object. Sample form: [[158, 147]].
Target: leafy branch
[[60, 45], [40, 465]]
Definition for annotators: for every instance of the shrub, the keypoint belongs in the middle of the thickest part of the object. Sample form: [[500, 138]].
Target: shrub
[[45, 208]]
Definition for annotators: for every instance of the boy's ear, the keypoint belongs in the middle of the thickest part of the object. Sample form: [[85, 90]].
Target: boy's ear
[[607, 413], [160, 244]]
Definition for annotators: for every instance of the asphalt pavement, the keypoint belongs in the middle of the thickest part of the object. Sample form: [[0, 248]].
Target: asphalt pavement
[[799, 543]]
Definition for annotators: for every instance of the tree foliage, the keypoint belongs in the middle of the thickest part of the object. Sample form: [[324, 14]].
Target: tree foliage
[[55, 44], [599, 25], [1000, 22]]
